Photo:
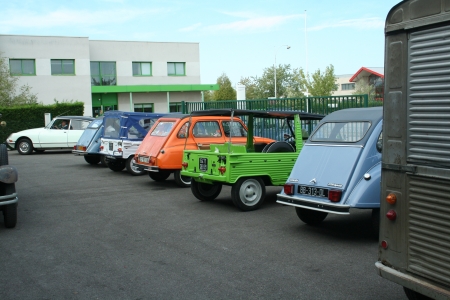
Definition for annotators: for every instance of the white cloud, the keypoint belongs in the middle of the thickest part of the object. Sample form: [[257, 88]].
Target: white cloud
[[191, 28], [367, 23], [255, 23]]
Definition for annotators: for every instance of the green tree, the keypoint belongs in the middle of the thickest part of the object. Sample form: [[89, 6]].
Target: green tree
[[225, 91], [363, 87], [207, 96], [320, 84], [10, 93], [288, 81]]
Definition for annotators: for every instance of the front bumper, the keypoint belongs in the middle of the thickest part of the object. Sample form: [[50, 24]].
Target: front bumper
[[313, 205]]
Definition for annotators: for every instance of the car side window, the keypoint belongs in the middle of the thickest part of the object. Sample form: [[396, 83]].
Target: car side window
[[206, 129], [237, 130], [79, 124], [184, 131], [380, 142]]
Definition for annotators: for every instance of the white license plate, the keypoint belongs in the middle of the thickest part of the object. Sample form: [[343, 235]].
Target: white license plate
[[144, 159]]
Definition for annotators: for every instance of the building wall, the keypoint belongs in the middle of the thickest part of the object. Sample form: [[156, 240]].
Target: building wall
[[159, 100], [43, 49], [340, 80]]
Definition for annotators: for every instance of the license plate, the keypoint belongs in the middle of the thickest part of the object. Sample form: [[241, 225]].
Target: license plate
[[111, 146], [203, 164], [144, 159], [312, 191]]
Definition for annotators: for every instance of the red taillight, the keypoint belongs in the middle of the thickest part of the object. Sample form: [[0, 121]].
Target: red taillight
[[184, 164], [384, 244], [289, 189], [120, 149], [334, 195], [101, 147], [75, 147], [222, 170], [391, 215]]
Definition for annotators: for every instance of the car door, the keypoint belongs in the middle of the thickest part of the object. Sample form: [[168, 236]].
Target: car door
[[53, 137], [76, 129], [207, 132]]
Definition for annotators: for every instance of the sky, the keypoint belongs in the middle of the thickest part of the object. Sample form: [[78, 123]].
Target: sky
[[236, 38]]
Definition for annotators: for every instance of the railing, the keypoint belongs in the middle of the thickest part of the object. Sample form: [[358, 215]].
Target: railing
[[276, 128]]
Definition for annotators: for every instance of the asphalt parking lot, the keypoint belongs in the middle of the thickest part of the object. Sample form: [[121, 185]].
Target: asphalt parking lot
[[85, 232]]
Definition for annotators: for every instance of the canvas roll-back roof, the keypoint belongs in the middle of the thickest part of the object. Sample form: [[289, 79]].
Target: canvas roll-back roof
[[371, 114], [257, 113]]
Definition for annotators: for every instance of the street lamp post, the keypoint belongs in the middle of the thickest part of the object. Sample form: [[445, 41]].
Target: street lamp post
[[275, 68]]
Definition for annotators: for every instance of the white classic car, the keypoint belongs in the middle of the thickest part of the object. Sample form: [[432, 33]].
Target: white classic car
[[62, 132]]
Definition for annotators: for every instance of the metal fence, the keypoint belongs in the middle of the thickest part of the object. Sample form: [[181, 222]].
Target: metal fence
[[275, 129]]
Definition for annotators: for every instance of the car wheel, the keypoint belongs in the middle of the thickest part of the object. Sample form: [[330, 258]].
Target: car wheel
[[182, 181], [159, 176], [117, 165], [309, 216], [103, 161], [132, 168], [92, 159], [413, 295], [24, 146], [248, 193], [205, 191], [3, 155]]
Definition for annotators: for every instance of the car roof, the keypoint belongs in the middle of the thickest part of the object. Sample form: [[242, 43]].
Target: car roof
[[74, 117], [257, 113], [371, 114]]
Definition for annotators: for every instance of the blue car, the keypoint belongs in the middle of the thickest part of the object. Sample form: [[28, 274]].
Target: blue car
[[89, 143], [339, 167]]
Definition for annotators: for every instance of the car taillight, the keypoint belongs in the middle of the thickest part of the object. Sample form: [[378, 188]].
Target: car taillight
[[222, 170], [334, 195], [391, 215], [289, 189], [152, 160], [120, 149], [184, 165], [101, 147], [75, 147], [391, 198], [384, 244]]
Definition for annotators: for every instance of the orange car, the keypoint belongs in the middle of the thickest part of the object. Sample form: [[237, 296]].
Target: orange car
[[161, 151]]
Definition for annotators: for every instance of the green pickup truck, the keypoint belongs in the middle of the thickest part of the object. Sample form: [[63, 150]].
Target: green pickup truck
[[248, 168]]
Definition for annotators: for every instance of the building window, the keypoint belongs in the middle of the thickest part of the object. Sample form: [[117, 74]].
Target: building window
[[103, 73], [176, 69], [63, 66], [348, 86], [175, 107], [22, 67], [143, 107], [142, 69]]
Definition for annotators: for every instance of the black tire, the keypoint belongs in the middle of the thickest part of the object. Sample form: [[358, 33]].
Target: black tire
[[24, 146], [182, 181], [92, 159], [248, 193], [205, 191], [376, 221], [413, 295], [278, 147], [117, 165], [159, 176], [264, 150], [103, 161], [311, 217], [10, 210], [132, 168], [3, 155]]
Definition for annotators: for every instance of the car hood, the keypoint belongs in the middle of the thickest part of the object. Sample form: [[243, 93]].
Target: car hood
[[27, 132], [325, 166]]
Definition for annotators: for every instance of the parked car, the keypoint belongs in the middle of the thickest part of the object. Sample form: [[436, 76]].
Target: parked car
[[123, 132], [161, 151], [62, 132], [88, 145], [339, 167], [246, 166]]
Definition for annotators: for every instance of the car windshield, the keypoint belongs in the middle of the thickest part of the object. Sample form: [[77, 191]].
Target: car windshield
[[341, 132], [163, 128], [237, 130], [95, 124]]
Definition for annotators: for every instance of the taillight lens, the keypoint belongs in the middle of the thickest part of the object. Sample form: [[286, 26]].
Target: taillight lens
[[384, 244], [289, 189], [101, 147], [120, 149], [184, 164], [391, 198], [391, 215], [334, 195], [75, 147], [222, 170]]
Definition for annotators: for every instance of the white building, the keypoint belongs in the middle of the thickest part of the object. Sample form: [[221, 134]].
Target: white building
[[346, 84], [106, 75]]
